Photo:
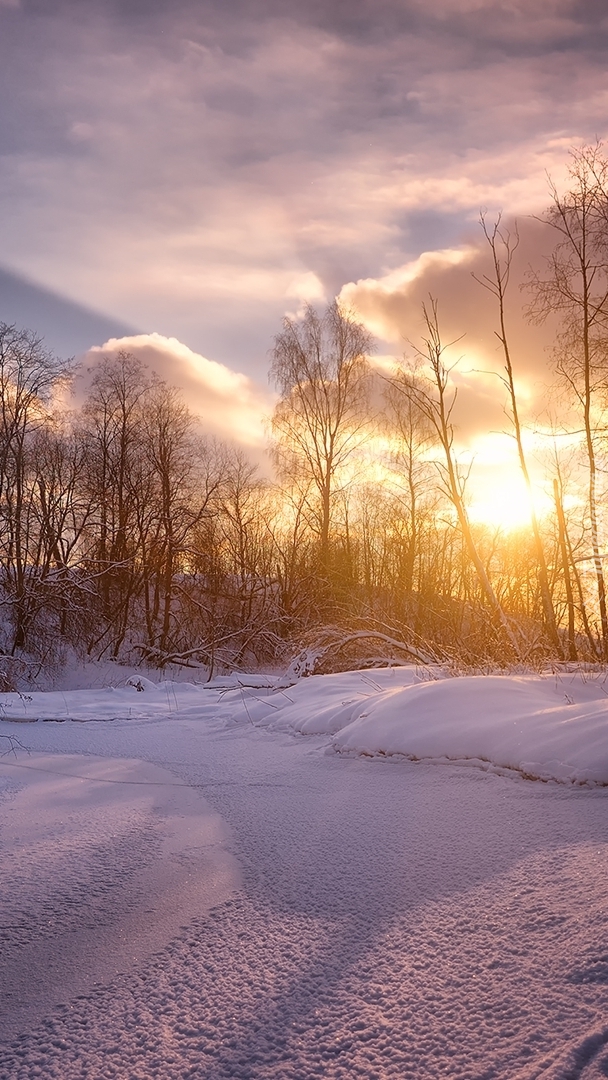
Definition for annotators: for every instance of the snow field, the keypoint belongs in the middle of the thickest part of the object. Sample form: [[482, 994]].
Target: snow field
[[547, 727], [251, 994], [86, 842], [367, 921]]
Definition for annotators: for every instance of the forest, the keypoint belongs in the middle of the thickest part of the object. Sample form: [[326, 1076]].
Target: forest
[[127, 534]]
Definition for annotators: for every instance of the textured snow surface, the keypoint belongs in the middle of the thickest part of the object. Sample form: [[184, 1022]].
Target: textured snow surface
[[190, 893]]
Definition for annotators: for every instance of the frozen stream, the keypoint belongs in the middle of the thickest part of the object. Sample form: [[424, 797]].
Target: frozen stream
[[244, 904]]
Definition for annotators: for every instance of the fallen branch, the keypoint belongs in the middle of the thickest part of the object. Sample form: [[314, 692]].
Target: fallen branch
[[311, 660]]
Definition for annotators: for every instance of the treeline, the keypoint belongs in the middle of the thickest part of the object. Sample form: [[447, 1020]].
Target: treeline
[[125, 533]]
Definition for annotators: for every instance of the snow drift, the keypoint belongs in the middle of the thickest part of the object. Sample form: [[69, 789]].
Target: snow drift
[[548, 727]]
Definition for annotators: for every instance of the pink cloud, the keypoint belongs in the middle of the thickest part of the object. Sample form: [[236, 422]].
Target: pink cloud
[[230, 405], [391, 306], [201, 161]]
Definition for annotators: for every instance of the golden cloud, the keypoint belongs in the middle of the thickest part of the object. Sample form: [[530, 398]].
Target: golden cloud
[[230, 405]]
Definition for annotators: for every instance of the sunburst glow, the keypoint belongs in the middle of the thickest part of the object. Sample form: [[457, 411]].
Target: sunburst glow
[[507, 505], [498, 494]]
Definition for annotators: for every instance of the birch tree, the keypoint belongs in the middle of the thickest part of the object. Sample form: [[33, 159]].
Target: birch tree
[[434, 399], [320, 367], [574, 285], [502, 245]]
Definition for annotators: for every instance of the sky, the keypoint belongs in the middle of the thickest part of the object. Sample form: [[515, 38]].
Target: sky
[[195, 171]]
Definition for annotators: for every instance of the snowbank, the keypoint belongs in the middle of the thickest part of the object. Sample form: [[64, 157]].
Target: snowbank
[[547, 727]]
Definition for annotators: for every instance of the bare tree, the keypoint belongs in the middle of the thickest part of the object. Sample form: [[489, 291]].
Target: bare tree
[[563, 551], [293, 564], [575, 286], [113, 415], [63, 509], [435, 401], [320, 367], [29, 374], [181, 489], [503, 245], [409, 424]]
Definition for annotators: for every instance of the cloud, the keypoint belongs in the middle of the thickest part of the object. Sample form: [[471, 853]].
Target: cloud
[[391, 306], [229, 404], [385, 303], [67, 328], [200, 162]]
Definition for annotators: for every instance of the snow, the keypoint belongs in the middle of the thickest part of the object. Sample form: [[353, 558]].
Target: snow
[[548, 727], [85, 839], [353, 876]]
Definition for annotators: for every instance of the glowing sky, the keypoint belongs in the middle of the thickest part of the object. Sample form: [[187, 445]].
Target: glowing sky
[[197, 169]]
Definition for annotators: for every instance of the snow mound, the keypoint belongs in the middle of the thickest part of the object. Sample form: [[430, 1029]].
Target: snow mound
[[543, 727], [509, 722]]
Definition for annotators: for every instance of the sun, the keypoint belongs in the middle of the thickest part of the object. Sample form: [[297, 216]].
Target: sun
[[506, 506], [498, 495]]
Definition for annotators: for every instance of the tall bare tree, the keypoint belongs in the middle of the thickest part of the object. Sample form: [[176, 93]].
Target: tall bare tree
[[415, 435], [28, 375], [113, 415], [320, 367], [503, 245], [575, 286], [181, 489], [433, 398]]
